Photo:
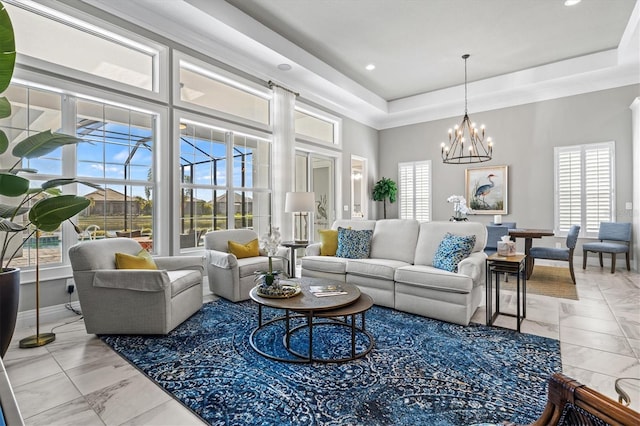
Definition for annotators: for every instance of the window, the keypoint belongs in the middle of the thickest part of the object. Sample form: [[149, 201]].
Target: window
[[415, 190], [93, 50], [585, 187], [225, 181], [316, 126], [118, 156], [215, 91]]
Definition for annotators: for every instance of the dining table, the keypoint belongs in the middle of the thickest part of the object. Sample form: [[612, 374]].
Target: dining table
[[529, 235]]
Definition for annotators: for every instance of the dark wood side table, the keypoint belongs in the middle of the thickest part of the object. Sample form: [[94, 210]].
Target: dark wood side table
[[496, 266], [293, 246]]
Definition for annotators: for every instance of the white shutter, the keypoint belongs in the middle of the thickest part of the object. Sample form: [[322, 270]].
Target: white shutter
[[415, 190], [585, 191]]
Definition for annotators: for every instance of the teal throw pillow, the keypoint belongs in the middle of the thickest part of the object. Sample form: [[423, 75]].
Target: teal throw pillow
[[353, 244], [452, 250]]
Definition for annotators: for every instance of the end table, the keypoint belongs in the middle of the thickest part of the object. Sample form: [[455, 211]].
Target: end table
[[293, 246], [498, 265]]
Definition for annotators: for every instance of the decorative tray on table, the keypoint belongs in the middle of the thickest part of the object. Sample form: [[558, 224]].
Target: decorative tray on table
[[283, 290]]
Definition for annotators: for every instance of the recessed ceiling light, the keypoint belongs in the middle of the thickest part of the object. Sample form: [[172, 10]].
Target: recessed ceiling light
[[284, 67], [370, 67], [571, 2]]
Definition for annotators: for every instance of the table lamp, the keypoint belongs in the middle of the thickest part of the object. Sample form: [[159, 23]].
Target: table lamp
[[300, 203]]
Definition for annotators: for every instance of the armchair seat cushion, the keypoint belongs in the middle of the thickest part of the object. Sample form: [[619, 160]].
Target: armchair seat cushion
[[183, 280], [551, 253], [606, 247], [249, 265]]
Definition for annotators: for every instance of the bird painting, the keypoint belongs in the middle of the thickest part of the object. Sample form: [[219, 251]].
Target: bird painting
[[484, 190]]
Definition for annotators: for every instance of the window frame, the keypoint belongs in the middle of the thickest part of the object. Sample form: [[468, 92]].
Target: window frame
[[225, 77], [74, 18], [582, 149], [323, 116], [401, 192]]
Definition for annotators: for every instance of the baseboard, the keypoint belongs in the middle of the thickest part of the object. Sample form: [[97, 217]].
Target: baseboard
[[47, 315]]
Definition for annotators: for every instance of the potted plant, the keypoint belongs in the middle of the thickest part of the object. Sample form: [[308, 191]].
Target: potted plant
[[45, 205], [385, 188]]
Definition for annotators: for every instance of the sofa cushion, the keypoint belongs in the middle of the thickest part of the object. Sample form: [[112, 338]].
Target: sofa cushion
[[242, 250], [378, 268], [395, 239], [354, 244], [328, 242], [452, 250], [430, 277], [431, 233], [142, 260], [330, 264]]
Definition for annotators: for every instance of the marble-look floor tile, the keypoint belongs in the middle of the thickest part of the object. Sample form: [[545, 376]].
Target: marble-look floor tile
[[101, 373], [39, 396], [168, 413], [595, 360], [593, 324], [635, 345], [30, 369], [75, 355], [73, 413], [598, 312], [601, 341], [126, 399]]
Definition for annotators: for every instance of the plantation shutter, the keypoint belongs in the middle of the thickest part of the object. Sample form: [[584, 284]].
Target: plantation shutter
[[584, 187], [415, 190]]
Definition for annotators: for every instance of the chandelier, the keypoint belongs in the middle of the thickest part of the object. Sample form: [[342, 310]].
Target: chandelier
[[466, 134]]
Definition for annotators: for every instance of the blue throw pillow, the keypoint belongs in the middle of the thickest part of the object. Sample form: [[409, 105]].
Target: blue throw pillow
[[452, 250], [354, 244]]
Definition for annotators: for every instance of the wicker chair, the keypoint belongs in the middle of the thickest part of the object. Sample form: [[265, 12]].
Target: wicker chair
[[571, 403]]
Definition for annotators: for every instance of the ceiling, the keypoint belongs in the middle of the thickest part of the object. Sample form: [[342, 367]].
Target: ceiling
[[417, 46], [521, 51]]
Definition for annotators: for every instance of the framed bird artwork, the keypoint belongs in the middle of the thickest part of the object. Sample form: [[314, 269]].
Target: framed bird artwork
[[486, 189]]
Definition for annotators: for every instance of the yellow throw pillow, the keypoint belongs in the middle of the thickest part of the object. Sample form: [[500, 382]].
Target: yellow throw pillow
[[328, 242], [239, 250], [142, 260]]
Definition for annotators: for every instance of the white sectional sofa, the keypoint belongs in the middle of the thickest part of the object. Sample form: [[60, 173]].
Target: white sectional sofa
[[399, 272]]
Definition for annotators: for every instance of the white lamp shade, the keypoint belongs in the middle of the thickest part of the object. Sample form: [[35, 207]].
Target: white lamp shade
[[299, 202]]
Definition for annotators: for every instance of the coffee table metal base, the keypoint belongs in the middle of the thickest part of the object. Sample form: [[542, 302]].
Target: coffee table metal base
[[324, 318]]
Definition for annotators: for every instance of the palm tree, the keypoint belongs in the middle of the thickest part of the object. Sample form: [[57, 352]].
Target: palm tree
[[385, 188]]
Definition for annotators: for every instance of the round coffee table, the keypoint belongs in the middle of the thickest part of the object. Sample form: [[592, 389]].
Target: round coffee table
[[309, 306]]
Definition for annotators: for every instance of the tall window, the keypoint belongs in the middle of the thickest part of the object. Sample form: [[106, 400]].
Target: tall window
[[117, 155], [585, 187], [225, 180], [415, 190], [314, 125]]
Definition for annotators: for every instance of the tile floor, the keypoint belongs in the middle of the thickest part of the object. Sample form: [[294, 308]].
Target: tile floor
[[78, 380]]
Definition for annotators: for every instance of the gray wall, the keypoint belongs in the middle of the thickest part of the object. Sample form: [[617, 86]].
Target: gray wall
[[524, 140]]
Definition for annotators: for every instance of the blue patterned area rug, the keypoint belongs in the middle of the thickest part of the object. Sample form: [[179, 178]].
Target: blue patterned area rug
[[421, 371]]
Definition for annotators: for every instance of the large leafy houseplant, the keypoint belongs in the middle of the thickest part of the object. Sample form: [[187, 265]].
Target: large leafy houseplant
[[383, 189], [45, 205]]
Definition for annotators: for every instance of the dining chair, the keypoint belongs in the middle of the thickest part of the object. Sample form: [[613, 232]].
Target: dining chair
[[615, 237], [554, 253], [495, 232]]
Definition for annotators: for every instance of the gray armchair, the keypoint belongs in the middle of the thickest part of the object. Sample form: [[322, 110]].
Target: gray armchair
[[614, 238], [134, 301], [230, 277]]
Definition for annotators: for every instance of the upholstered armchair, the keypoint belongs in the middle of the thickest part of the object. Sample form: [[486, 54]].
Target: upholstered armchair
[[134, 301], [230, 276], [614, 238], [559, 253]]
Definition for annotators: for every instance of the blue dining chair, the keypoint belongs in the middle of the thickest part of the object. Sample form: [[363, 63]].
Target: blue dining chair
[[614, 238], [553, 253], [494, 234]]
